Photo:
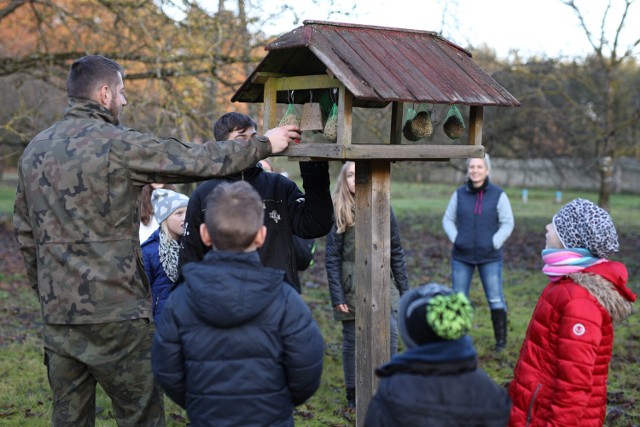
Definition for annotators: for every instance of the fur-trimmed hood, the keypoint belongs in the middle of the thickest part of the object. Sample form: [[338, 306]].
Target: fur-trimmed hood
[[607, 282]]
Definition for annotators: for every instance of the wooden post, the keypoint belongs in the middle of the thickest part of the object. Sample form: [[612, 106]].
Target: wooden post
[[345, 105], [270, 107], [372, 277], [396, 123]]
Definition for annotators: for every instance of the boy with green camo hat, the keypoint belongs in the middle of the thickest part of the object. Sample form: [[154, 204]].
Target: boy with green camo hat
[[437, 381]]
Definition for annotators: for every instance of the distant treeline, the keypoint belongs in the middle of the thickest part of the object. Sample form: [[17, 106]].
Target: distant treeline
[[559, 174]]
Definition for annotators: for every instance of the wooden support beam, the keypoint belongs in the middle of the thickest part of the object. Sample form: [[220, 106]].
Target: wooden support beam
[[270, 107], [397, 108], [321, 81], [261, 77], [345, 104], [372, 277], [393, 152]]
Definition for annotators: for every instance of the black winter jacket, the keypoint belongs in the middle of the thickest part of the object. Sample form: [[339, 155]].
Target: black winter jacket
[[287, 212], [437, 388], [235, 345]]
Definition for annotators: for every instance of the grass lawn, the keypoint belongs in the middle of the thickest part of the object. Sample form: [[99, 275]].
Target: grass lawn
[[24, 392]]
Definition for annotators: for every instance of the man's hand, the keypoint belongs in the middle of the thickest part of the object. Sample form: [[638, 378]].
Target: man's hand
[[282, 136]]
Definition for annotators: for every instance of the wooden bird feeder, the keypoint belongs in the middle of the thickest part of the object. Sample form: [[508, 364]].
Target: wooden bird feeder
[[372, 67]]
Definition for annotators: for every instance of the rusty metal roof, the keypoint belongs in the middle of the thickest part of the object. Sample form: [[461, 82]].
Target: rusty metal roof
[[378, 65]]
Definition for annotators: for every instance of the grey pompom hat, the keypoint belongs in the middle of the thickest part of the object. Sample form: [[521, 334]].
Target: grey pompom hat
[[165, 202], [583, 224]]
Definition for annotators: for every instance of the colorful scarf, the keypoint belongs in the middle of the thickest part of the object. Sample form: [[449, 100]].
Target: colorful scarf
[[561, 262]]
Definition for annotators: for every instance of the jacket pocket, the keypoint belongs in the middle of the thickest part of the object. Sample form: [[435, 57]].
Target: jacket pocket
[[347, 285], [532, 405]]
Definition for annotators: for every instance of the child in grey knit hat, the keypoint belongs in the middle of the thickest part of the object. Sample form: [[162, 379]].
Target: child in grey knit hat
[[561, 375], [160, 251]]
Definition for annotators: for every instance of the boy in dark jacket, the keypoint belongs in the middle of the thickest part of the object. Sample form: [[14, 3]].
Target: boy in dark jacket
[[288, 211], [236, 345], [437, 381]]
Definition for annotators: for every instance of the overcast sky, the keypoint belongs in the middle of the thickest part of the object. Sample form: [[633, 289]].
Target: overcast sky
[[532, 27]]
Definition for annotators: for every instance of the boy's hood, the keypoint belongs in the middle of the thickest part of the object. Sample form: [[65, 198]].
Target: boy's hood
[[227, 289]]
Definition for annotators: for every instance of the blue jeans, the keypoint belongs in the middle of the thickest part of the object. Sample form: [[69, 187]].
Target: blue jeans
[[490, 275]]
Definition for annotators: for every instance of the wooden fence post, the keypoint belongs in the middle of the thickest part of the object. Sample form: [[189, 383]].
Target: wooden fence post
[[372, 277]]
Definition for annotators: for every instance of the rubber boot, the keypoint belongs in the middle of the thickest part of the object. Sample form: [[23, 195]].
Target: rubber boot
[[351, 398], [499, 319]]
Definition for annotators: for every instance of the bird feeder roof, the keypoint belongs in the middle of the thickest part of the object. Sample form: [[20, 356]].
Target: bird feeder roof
[[378, 65]]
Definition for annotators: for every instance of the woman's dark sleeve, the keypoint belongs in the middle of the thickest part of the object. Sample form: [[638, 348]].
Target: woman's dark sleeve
[[334, 266], [398, 266]]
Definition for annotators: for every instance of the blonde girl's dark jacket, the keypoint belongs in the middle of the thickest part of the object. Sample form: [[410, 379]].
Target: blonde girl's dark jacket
[[340, 262]]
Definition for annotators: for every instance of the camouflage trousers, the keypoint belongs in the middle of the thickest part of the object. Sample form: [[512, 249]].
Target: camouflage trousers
[[115, 355]]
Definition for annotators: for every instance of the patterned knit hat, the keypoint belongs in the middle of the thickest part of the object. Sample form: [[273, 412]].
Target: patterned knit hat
[[433, 313], [583, 224], [165, 202]]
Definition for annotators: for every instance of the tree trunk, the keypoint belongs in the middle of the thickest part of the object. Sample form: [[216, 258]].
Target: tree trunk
[[606, 178]]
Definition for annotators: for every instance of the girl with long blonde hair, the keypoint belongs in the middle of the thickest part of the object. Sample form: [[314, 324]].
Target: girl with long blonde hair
[[340, 265]]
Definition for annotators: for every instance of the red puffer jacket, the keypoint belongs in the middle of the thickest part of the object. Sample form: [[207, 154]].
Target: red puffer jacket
[[561, 376]]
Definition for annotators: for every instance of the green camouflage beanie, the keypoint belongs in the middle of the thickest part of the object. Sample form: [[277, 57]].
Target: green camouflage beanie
[[434, 313]]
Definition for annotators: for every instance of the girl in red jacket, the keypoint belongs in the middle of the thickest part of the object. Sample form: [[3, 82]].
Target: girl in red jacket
[[561, 376]]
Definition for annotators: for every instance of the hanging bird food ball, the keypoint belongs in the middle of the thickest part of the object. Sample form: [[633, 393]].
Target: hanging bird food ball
[[421, 125]]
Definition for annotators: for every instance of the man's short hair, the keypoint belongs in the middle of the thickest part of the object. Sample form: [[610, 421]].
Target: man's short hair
[[89, 73], [234, 215], [230, 122]]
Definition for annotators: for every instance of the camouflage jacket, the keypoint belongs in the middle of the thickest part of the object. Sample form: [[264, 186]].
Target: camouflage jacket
[[76, 211]]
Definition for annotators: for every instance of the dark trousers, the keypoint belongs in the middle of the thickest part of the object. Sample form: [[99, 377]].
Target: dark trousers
[[115, 355], [349, 347]]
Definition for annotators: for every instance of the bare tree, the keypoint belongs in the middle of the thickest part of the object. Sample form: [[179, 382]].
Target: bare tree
[[170, 62], [608, 59], [182, 62]]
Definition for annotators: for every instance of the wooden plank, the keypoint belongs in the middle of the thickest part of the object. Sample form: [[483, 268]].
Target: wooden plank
[[461, 72], [345, 45], [270, 107], [372, 278], [345, 104], [320, 81], [261, 77], [366, 66], [411, 81], [476, 115], [340, 66], [393, 152], [429, 68]]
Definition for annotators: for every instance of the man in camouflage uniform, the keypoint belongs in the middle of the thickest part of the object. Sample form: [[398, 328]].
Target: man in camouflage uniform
[[76, 219]]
